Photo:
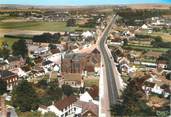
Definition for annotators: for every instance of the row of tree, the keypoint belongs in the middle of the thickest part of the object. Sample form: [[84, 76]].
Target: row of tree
[[47, 38]]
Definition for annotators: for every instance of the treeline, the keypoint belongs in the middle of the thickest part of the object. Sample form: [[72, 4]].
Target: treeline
[[47, 38], [129, 15], [19, 36]]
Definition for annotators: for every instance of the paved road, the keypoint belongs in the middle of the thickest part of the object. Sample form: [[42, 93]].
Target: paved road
[[110, 74]]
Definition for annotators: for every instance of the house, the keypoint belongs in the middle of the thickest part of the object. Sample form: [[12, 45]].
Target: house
[[73, 79], [61, 108], [86, 109], [162, 64], [14, 62], [48, 64], [155, 88], [10, 78], [37, 71], [86, 97], [88, 36], [43, 109], [3, 65], [41, 51], [74, 36], [145, 27], [19, 72]]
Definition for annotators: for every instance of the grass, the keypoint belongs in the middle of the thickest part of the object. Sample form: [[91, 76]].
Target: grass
[[10, 41], [39, 26], [90, 82], [142, 48], [29, 114], [165, 36]]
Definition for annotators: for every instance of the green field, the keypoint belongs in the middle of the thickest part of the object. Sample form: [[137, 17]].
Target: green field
[[39, 26], [165, 36], [10, 41], [146, 48]]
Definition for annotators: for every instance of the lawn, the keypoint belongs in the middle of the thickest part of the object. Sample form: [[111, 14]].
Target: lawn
[[10, 41], [90, 82], [39, 26]]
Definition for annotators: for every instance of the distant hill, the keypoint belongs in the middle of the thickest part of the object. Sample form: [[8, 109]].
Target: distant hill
[[149, 6], [133, 6]]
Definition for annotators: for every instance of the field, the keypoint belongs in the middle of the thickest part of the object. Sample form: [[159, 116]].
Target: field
[[141, 48], [91, 81], [149, 6], [10, 41], [165, 36], [39, 26]]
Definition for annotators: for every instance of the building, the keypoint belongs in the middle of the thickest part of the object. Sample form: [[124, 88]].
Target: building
[[79, 62], [75, 80], [61, 108], [10, 78], [162, 64], [13, 62], [86, 109]]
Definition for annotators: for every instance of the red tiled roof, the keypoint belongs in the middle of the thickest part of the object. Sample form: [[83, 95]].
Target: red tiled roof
[[61, 104], [87, 106], [43, 107]]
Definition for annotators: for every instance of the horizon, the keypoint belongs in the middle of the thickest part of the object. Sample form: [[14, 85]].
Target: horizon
[[81, 2]]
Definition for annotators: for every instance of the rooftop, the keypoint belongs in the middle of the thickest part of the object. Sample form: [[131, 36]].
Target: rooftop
[[61, 104], [87, 106], [6, 74]]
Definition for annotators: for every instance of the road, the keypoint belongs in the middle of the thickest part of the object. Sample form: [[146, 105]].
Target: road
[[109, 82]]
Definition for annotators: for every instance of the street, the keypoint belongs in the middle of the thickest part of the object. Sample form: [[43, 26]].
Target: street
[[110, 86]]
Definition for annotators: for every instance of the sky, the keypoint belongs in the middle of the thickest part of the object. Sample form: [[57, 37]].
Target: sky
[[81, 2]]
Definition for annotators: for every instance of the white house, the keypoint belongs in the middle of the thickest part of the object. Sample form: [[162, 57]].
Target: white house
[[86, 97], [62, 108], [87, 34], [41, 50], [42, 109], [153, 87], [48, 65]]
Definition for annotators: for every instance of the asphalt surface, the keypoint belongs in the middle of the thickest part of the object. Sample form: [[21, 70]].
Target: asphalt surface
[[109, 73]]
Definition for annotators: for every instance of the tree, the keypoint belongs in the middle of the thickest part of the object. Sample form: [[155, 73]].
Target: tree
[[54, 92], [30, 62], [5, 52], [3, 87], [43, 84], [133, 103], [67, 89], [71, 22], [19, 48], [24, 97]]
